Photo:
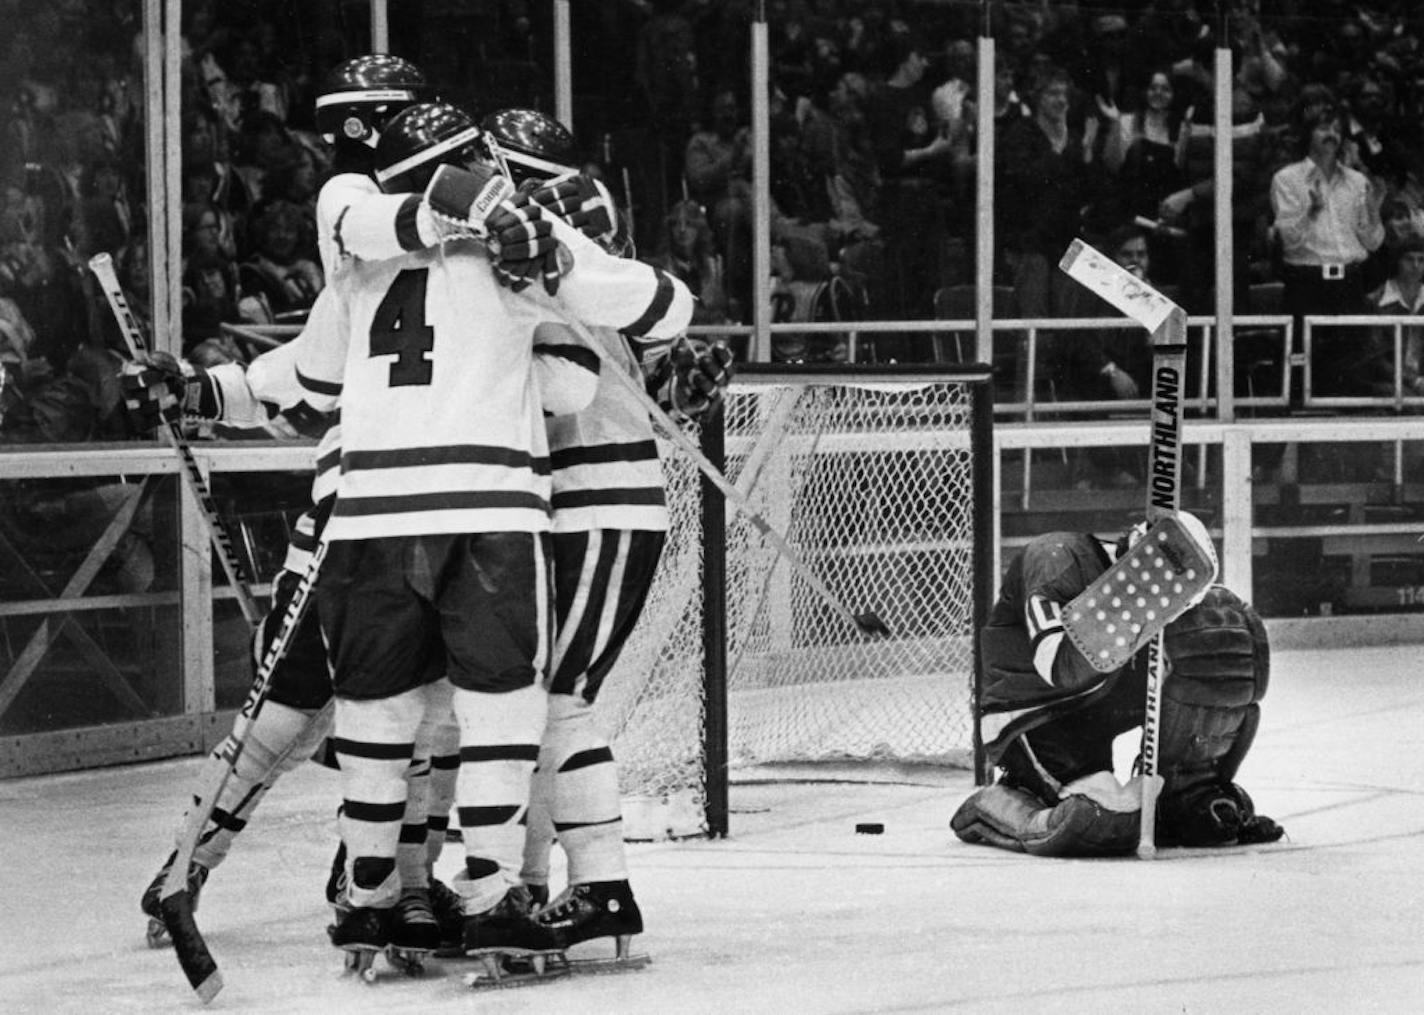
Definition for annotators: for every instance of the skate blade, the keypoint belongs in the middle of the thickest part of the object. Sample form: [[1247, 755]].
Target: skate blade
[[514, 967], [623, 960], [604, 966], [410, 961], [156, 934], [361, 961]]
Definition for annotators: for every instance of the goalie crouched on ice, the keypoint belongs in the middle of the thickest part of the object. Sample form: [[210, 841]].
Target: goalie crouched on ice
[[1050, 717]]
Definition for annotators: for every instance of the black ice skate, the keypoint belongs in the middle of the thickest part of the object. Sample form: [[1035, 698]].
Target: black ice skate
[[450, 915], [363, 933], [157, 933], [598, 909], [512, 947], [415, 932], [336, 882]]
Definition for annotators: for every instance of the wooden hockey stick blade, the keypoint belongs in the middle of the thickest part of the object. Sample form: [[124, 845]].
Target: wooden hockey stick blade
[[188, 944], [1114, 283]]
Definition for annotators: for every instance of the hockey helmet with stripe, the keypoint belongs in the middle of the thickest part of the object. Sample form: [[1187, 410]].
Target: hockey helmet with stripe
[[422, 137], [533, 144], [361, 95]]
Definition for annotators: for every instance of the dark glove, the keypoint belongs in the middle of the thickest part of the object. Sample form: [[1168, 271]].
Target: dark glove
[[580, 202], [700, 371], [522, 246], [156, 389]]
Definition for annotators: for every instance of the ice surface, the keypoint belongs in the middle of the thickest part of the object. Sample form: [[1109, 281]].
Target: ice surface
[[796, 913]]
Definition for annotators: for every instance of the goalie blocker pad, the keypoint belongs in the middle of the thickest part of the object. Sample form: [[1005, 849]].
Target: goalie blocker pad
[[1155, 581]]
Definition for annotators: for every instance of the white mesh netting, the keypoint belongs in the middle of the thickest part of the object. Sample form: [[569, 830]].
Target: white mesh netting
[[872, 484]]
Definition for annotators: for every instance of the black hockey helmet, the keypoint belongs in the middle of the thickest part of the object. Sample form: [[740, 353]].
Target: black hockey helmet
[[359, 97], [533, 144], [422, 137]]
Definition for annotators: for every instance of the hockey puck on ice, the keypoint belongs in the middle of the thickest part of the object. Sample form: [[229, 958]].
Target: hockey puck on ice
[[869, 828]]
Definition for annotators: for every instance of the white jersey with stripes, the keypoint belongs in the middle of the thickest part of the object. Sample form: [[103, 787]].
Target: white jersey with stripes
[[442, 422]]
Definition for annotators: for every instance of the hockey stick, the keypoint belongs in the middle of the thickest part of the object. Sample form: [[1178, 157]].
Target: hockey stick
[[102, 265], [1168, 324], [868, 622], [175, 901]]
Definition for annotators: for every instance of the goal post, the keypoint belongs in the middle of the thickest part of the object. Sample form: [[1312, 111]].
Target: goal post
[[882, 481]]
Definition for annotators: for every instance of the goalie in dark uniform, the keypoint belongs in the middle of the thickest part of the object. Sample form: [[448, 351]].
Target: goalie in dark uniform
[[1049, 718]]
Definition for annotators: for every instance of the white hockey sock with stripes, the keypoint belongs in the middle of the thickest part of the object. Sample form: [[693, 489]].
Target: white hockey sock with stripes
[[375, 742], [539, 830], [278, 728], [499, 743], [587, 809], [444, 773]]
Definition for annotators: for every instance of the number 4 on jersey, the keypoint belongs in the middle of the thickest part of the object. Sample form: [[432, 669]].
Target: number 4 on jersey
[[399, 330]]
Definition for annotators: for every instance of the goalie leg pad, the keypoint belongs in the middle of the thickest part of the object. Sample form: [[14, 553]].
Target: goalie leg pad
[[1219, 666], [1156, 580], [1013, 819], [1219, 658]]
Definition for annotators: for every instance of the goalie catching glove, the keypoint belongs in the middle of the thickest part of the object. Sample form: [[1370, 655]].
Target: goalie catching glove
[[481, 203], [157, 389], [692, 377]]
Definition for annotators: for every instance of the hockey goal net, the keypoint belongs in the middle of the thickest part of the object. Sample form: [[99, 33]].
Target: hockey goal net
[[882, 482]]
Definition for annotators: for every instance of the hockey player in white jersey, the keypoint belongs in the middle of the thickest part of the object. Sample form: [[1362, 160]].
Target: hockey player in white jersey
[[357, 98], [610, 522], [438, 542]]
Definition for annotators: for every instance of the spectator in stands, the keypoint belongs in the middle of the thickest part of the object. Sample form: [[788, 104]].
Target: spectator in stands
[[1145, 147], [687, 252], [1403, 293], [1375, 139], [36, 274], [1193, 207], [1401, 223], [718, 167], [204, 232], [276, 268], [293, 177], [804, 290], [106, 214], [913, 157], [1009, 109], [260, 144], [208, 173], [1042, 169], [209, 296], [1327, 217], [836, 143], [867, 40]]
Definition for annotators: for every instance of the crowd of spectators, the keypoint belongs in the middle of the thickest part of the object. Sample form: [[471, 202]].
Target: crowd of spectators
[[1104, 118], [74, 184], [1103, 121]]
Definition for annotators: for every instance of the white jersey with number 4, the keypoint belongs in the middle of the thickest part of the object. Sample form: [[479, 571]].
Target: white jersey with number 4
[[442, 424]]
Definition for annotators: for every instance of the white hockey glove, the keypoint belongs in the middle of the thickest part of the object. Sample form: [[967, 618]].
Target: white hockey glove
[[483, 204], [693, 376], [461, 200], [582, 202], [157, 389]]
